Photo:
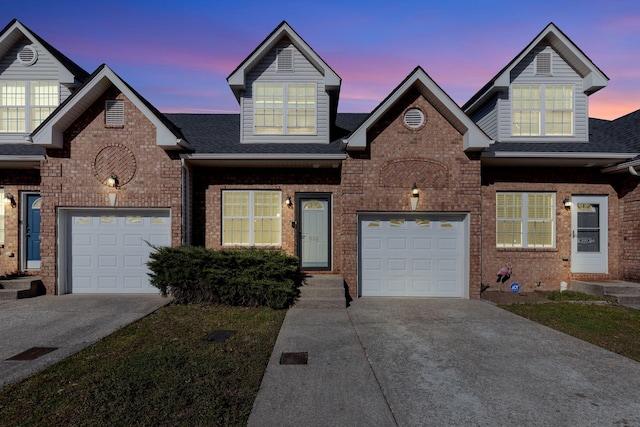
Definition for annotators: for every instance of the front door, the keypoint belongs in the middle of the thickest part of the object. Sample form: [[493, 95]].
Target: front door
[[589, 234], [32, 230], [314, 225]]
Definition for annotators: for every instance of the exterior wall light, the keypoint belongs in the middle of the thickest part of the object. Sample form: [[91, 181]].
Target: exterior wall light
[[288, 202], [10, 200], [567, 203], [112, 181], [415, 194]]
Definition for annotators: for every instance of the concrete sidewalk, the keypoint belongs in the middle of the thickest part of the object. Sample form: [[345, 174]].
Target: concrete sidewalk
[[68, 322], [440, 362]]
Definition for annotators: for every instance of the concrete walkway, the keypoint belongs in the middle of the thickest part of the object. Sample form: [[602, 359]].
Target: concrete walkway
[[408, 362], [69, 322]]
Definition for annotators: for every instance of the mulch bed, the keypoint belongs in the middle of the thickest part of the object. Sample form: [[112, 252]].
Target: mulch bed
[[507, 297]]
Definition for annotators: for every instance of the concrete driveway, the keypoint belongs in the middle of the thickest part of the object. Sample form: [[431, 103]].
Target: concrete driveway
[[443, 362], [68, 322]]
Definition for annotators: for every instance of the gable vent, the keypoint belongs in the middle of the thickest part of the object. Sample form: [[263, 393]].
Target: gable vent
[[27, 55], [284, 60], [543, 63], [114, 112], [413, 118]]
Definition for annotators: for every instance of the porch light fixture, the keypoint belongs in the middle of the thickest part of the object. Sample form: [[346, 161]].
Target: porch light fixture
[[415, 194], [112, 181], [567, 203], [287, 201], [9, 199]]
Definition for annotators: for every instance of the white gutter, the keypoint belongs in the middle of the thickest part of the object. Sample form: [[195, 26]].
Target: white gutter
[[629, 166], [264, 156], [563, 155], [14, 158]]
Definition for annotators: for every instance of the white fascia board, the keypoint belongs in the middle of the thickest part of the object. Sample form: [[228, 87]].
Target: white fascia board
[[473, 137], [237, 80], [51, 134], [19, 158]]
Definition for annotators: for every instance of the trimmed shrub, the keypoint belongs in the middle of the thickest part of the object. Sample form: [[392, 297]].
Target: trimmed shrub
[[237, 277]]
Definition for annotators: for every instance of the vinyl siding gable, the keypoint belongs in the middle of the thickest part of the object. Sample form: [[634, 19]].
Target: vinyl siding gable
[[44, 69], [303, 72], [562, 73]]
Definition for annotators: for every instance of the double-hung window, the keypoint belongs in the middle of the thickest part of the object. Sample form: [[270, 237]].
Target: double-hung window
[[525, 220], [25, 104], [251, 218], [284, 108], [545, 110]]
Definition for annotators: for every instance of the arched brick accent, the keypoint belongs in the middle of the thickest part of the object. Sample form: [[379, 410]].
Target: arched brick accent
[[425, 173], [114, 158]]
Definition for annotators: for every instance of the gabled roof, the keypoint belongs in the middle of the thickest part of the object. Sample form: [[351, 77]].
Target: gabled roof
[[215, 141], [237, 79], [474, 138], [593, 78], [70, 72], [50, 133]]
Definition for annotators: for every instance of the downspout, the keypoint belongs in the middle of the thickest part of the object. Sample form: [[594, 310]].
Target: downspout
[[185, 188]]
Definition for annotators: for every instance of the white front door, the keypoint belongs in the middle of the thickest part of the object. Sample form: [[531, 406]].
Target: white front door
[[589, 232]]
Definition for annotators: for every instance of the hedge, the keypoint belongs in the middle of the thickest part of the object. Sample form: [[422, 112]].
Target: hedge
[[238, 277]]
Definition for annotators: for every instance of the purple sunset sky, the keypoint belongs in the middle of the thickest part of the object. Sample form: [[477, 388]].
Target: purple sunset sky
[[177, 54]]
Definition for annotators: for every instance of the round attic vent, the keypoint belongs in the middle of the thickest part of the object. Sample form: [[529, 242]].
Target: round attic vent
[[413, 118], [27, 55]]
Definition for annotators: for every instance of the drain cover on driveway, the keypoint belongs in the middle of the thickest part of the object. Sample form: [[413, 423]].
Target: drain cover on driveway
[[33, 353], [219, 336], [299, 358]]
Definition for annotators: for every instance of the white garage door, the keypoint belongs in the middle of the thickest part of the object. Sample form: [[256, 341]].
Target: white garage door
[[109, 249], [413, 256]]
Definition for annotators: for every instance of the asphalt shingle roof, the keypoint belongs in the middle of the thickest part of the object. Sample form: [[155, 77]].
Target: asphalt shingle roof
[[21, 150], [220, 134]]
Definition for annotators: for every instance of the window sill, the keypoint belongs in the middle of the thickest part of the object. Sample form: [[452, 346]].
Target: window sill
[[527, 249]]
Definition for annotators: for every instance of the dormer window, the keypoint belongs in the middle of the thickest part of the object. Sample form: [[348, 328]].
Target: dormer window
[[25, 104], [284, 108], [533, 105]]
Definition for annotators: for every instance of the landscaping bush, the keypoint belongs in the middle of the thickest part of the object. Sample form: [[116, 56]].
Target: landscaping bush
[[237, 277]]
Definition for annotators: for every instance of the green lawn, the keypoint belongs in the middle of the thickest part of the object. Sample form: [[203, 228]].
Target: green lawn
[[158, 371], [609, 326]]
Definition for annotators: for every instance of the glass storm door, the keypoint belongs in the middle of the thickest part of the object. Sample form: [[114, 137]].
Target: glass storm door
[[589, 234], [314, 242], [32, 230]]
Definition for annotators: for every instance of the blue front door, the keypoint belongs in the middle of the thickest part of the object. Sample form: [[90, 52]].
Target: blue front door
[[314, 237], [33, 202]]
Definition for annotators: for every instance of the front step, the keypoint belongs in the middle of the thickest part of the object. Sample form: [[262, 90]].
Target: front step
[[626, 293], [21, 287], [322, 292]]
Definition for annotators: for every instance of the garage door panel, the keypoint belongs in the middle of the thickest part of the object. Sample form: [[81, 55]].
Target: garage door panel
[[109, 251], [412, 256], [107, 261]]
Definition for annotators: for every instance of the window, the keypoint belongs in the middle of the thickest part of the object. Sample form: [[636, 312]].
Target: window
[[525, 220], [25, 104], [531, 103], [251, 218], [272, 118], [2, 203]]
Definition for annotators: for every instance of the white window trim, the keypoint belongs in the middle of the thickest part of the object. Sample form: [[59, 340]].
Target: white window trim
[[251, 218], [542, 111], [28, 106], [525, 221], [2, 215], [285, 93]]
